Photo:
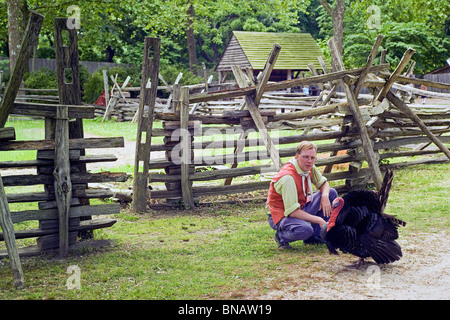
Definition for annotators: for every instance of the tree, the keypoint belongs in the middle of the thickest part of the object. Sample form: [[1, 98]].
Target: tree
[[14, 30], [420, 24], [191, 40], [337, 15]]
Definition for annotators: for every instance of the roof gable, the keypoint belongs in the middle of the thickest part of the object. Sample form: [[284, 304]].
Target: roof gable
[[252, 49]]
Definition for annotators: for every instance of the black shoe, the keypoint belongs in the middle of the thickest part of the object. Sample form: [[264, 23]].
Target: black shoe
[[281, 245], [314, 240]]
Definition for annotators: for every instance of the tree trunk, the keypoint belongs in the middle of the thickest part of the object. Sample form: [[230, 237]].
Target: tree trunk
[[191, 41], [338, 23], [13, 8], [337, 15]]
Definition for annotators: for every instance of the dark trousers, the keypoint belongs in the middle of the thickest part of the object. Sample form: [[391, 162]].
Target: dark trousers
[[293, 229]]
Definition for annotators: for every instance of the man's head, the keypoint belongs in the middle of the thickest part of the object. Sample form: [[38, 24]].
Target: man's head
[[306, 155]]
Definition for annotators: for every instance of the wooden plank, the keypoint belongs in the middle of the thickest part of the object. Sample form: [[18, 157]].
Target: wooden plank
[[359, 84], [69, 89], [10, 239], [391, 80], [225, 94], [425, 82], [83, 226], [61, 173], [252, 105], [113, 101], [84, 143], [29, 41], [186, 184], [7, 134], [399, 104], [49, 110], [43, 196], [77, 177], [242, 82], [150, 69], [75, 212], [360, 124]]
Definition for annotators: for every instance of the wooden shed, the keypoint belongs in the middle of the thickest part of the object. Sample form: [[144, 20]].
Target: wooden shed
[[441, 74], [250, 50]]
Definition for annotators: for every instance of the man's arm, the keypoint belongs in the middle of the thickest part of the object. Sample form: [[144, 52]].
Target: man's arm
[[300, 214], [325, 204]]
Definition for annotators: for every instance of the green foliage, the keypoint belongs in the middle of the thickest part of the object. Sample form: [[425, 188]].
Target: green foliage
[[4, 66], [170, 73], [432, 47], [421, 24], [94, 85], [44, 78]]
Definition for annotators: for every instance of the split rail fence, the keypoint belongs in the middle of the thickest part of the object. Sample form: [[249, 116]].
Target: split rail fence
[[374, 129], [64, 211]]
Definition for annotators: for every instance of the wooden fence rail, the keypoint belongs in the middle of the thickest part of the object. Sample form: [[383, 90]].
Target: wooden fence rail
[[361, 130]]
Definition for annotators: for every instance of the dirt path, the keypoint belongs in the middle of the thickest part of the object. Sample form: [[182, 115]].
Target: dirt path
[[124, 155], [423, 273]]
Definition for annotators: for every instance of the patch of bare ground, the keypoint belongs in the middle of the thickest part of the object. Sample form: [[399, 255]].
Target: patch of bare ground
[[422, 274]]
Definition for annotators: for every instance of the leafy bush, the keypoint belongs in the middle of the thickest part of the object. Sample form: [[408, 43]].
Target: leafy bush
[[94, 85], [44, 78], [4, 66]]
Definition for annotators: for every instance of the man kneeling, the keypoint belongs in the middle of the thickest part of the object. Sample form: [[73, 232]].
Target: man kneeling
[[295, 213]]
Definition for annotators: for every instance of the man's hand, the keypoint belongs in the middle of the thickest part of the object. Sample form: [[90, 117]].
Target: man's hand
[[325, 206]]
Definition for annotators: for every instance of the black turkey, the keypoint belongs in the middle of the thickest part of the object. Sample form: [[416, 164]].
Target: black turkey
[[358, 226]]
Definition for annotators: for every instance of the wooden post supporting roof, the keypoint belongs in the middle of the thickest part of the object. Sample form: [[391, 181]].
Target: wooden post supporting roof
[[150, 69], [29, 41]]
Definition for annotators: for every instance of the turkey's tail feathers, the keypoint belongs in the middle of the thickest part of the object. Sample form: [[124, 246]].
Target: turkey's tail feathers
[[383, 193], [383, 251], [397, 222]]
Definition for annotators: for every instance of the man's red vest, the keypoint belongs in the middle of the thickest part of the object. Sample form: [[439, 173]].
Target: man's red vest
[[274, 199]]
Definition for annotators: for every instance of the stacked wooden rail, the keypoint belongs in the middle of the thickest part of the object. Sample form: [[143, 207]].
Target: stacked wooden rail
[[64, 211], [392, 134], [47, 215], [375, 130]]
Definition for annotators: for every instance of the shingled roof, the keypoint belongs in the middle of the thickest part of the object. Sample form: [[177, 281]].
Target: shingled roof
[[251, 49]]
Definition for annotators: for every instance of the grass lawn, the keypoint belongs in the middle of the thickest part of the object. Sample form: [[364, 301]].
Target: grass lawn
[[224, 252], [219, 252]]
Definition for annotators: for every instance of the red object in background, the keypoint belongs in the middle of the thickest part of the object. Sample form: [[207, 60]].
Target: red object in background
[[101, 101]]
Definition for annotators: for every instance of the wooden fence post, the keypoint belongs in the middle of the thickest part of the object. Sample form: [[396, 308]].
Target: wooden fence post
[[253, 102], [399, 104], [186, 184], [393, 77], [361, 126], [10, 239], [63, 184], [150, 70], [29, 41], [69, 91]]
